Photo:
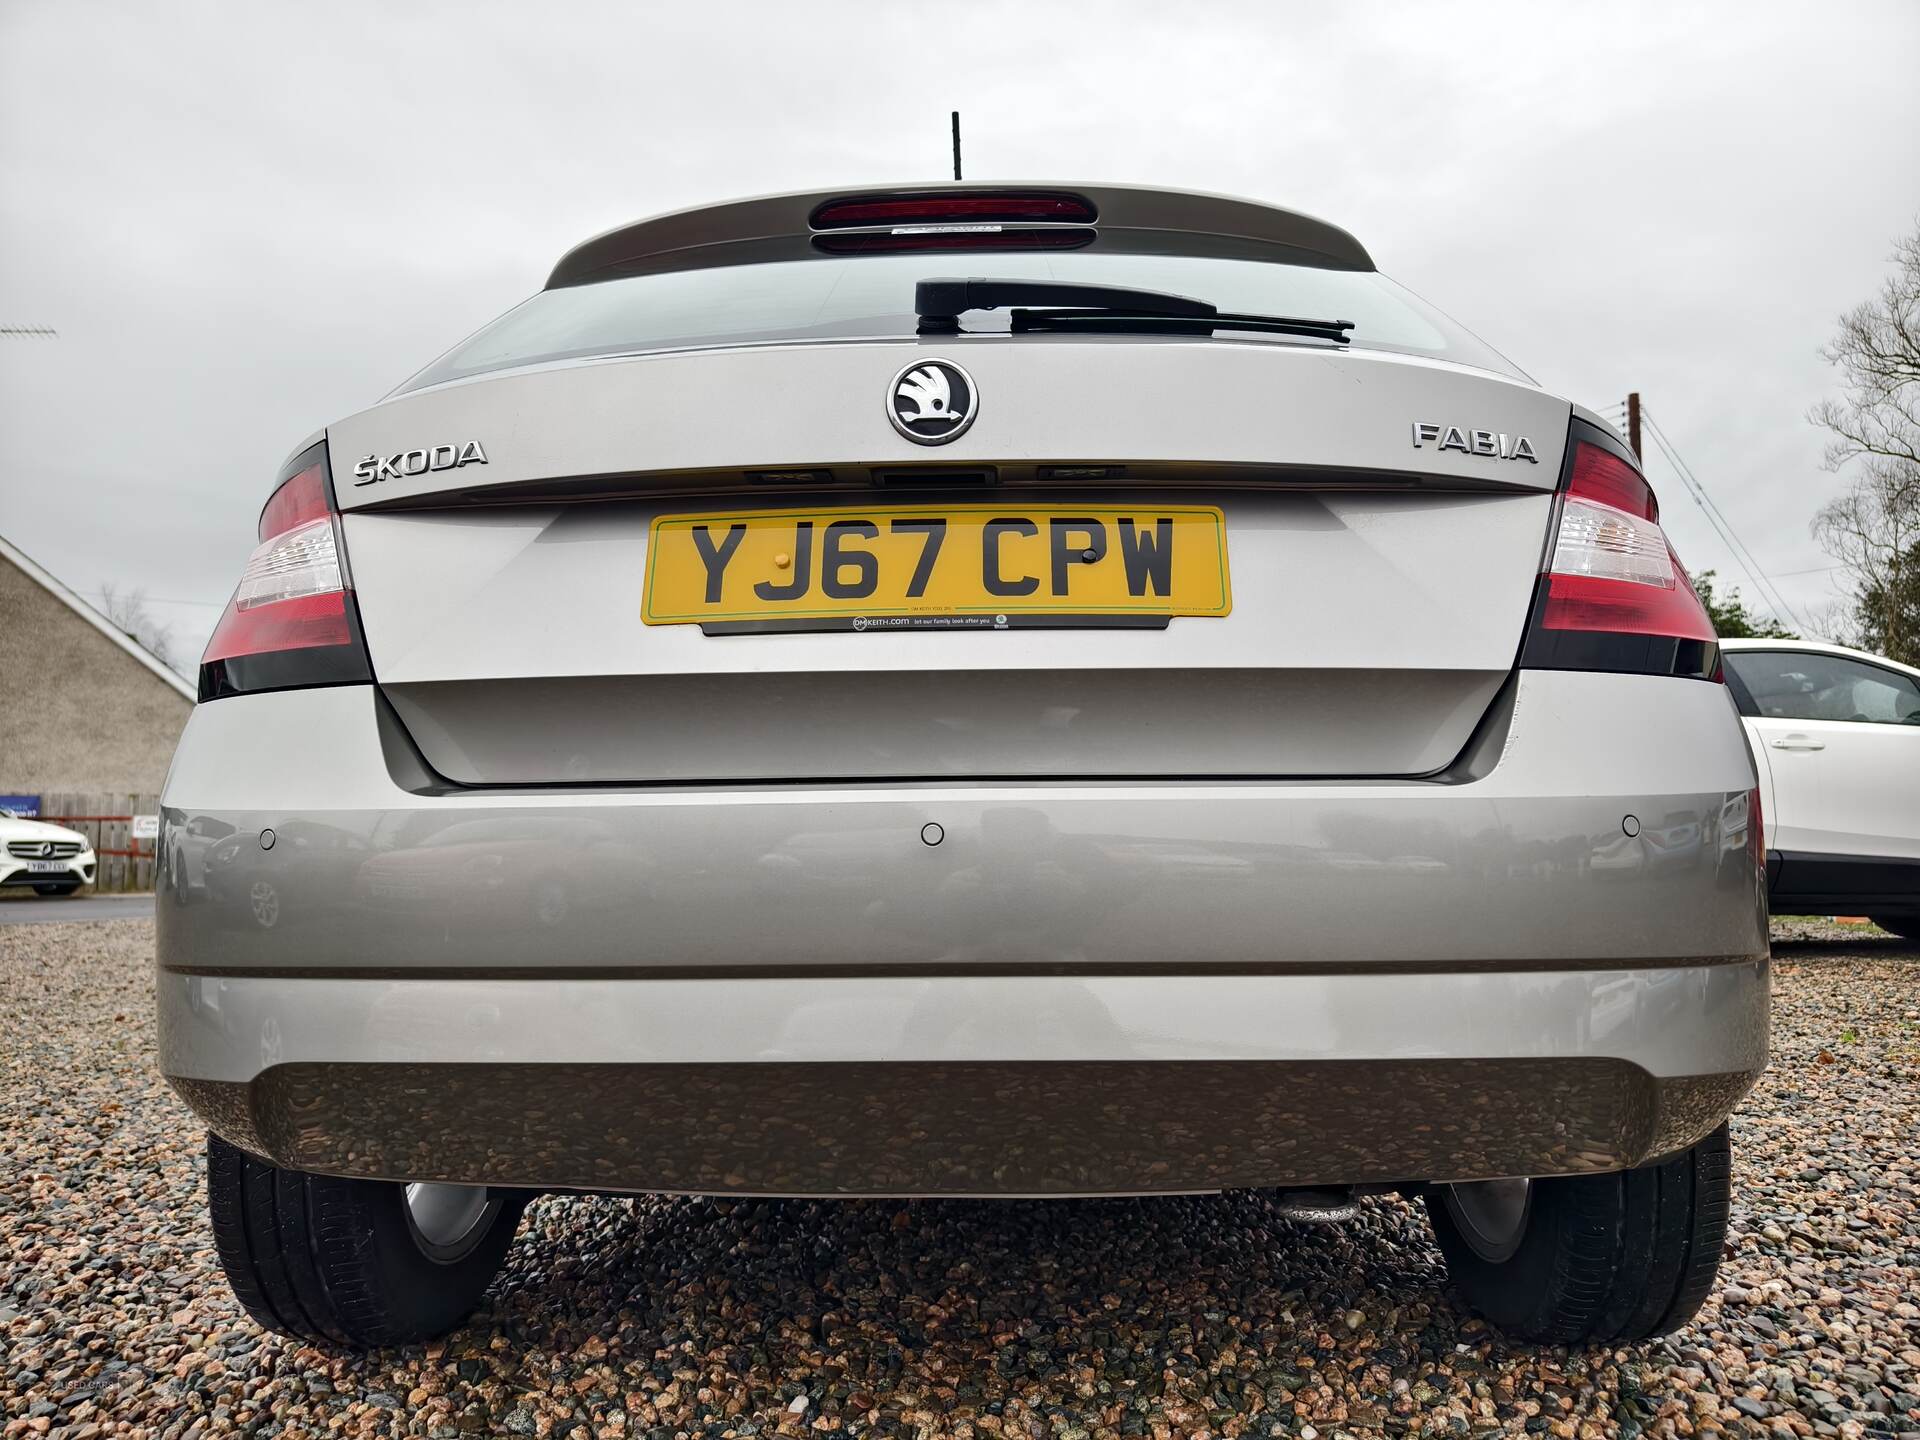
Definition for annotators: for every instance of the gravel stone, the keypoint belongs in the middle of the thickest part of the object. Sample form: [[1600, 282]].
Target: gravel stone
[[1088, 1320]]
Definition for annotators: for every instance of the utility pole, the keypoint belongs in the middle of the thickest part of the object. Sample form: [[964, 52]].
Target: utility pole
[[1633, 422], [956, 144]]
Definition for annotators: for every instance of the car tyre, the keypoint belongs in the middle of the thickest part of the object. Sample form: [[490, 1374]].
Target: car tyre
[[66, 889], [353, 1263], [1905, 926], [1580, 1259]]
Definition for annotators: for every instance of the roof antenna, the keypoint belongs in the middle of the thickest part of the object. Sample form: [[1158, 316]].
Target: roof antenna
[[956, 144]]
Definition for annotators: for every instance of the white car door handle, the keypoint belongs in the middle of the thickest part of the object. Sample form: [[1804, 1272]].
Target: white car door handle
[[1799, 742]]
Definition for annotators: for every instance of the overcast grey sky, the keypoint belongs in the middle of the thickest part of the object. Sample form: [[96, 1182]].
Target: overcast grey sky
[[247, 220]]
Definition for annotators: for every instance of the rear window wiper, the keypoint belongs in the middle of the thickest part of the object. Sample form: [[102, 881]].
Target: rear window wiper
[[1060, 305]]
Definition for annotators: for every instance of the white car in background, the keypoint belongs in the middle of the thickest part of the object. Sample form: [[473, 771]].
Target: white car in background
[[1836, 738], [53, 860]]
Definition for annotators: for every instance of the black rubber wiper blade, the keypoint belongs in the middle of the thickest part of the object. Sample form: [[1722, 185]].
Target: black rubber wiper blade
[[1060, 305], [1121, 322], [948, 299]]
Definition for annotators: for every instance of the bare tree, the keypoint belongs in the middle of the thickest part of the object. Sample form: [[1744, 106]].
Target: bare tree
[[1874, 528], [129, 614]]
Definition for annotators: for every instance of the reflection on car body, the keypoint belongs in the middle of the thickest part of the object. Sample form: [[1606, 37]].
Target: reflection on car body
[[524, 870]]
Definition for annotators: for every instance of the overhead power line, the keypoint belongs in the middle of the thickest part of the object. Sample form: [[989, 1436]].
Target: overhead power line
[[1742, 556], [166, 599]]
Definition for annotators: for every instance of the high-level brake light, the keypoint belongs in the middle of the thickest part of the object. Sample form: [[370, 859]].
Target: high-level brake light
[[1002, 220], [1007, 209], [966, 237]]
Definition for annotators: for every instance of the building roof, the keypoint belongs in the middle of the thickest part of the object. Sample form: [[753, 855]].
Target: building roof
[[40, 576]]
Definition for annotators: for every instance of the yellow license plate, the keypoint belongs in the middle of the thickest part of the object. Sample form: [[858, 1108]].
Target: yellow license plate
[[1002, 565]]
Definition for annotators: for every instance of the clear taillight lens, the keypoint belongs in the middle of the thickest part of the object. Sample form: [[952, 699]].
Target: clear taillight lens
[[299, 563], [1607, 544]]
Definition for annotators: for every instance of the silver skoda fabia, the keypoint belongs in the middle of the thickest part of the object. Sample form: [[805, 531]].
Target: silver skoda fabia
[[1027, 690]]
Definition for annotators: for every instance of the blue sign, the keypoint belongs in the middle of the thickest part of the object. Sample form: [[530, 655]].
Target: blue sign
[[24, 806]]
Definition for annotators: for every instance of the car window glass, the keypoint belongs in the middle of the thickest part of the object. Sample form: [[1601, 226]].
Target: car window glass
[[1743, 700], [871, 296], [1786, 685]]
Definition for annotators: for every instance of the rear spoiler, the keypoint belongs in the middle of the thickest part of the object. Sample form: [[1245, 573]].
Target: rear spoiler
[[1116, 218]]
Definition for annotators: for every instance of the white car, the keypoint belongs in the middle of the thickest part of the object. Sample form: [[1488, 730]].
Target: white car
[[1836, 738], [53, 860]]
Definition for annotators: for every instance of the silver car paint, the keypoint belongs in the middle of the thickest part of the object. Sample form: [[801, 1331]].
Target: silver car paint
[[1303, 924], [1370, 632], [1281, 874], [722, 411], [1672, 1022]]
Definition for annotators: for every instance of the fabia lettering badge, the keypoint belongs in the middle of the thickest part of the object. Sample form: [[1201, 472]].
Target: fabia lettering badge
[[1494, 444]]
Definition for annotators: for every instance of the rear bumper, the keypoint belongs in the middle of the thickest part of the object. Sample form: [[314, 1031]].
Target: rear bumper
[[968, 1085], [1079, 989]]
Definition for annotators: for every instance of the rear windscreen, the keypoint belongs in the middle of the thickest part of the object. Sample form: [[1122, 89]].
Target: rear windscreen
[[871, 297]]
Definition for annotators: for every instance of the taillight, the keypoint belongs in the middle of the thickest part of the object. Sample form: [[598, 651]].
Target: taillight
[[292, 621], [945, 220], [1614, 595]]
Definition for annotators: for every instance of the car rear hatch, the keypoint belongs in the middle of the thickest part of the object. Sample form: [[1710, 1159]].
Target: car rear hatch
[[1355, 536], [1374, 608]]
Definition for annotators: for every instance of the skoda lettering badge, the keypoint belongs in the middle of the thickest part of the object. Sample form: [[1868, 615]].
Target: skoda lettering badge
[[932, 401], [374, 468]]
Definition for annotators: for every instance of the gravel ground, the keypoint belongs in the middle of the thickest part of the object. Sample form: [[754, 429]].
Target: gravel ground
[[1046, 1321]]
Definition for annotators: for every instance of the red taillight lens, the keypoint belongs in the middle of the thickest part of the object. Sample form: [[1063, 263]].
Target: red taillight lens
[[1601, 476], [1614, 595], [300, 501], [1010, 209], [294, 622], [291, 621], [1581, 602]]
